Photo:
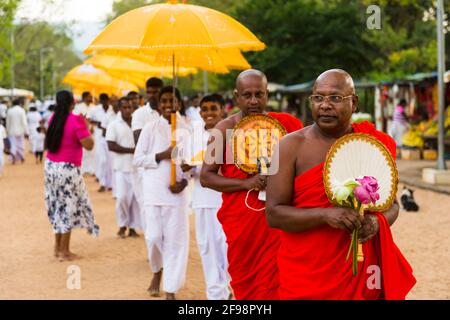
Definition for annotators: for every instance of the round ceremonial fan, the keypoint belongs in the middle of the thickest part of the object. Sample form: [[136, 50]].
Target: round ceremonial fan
[[253, 140], [355, 156]]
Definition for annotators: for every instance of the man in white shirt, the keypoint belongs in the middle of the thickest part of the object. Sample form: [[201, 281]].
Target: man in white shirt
[[134, 99], [34, 118], [48, 114], [193, 112], [206, 202], [165, 206], [119, 137], [17, 128], [84, 108], [149, 112], [3, 108], [141, 117], [110, 117], [97, 116], [3, 137]]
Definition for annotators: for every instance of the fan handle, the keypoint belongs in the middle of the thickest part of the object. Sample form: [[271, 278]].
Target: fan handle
[[360, 253]]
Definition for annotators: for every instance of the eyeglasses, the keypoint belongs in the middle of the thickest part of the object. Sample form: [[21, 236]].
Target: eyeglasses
[[318, 98]]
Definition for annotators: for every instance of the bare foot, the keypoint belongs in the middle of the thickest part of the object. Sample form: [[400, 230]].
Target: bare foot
[[121, 232], [68, 256], [170, 296], [154, 285], [132, 233], [102, 189]]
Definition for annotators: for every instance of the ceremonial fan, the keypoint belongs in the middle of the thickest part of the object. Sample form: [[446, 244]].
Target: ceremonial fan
[[351, 159], [252, 143]]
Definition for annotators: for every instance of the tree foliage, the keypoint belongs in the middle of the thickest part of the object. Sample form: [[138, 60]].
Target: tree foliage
[[7, 11], [29, 38], [58, 55]]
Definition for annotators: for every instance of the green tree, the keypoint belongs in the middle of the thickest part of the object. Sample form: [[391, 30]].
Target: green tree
[[7, 11], [58, 55], [305, 37], [405, 43]]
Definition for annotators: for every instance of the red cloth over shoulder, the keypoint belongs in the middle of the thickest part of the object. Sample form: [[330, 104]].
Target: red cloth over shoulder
[[252, 245], [313, 265]]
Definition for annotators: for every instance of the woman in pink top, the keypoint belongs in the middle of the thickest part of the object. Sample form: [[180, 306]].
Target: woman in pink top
[[66, 197]]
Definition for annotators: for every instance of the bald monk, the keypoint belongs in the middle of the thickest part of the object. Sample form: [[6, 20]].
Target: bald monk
[[252, 245], [315, 235]]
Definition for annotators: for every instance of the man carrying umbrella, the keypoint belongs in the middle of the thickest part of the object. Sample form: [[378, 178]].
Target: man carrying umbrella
[[150, 111], [252, 245]]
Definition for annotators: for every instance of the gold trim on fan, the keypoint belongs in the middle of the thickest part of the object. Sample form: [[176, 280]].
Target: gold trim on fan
[[391, 163], [275, 124]]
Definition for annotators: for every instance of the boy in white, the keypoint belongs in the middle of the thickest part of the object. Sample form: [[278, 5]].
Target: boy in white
[[165, 206], [149, 112], [34, 118], [205, 203], [119, 138], [141, 117], [102, 172], [38, 142], [17, 128], [110, 117], [3, 136], [85, 109]]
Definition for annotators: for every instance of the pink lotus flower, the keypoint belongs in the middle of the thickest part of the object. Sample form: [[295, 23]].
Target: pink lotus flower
[[367, 191]]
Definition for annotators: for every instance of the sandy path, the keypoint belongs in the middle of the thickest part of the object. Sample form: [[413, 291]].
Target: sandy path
[[112, 268]]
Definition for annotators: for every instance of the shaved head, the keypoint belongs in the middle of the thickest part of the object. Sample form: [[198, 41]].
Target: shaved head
[[340, 78], [250, 73], [333, 114], [251, 92]]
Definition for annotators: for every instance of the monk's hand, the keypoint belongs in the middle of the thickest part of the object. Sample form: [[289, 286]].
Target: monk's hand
[[343, 218], [257, 182], [179, 186], [370, 227]]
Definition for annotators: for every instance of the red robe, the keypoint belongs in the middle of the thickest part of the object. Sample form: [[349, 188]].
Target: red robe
[[313, 265], [252, 245]]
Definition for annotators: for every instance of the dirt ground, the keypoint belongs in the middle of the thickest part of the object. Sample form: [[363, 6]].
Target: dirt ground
[[113, 268]]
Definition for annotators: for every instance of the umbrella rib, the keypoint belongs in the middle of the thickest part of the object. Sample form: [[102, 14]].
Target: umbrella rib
[[206, 29], [147, 26]]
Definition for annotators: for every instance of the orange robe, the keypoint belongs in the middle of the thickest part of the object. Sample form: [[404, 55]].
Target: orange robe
[[313, 265], [252, 245]]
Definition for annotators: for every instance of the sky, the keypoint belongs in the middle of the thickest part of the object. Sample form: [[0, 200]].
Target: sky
[[87, 16]]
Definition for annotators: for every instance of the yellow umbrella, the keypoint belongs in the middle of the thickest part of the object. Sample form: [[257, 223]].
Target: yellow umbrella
[[221, 61], [132, 70], [180, 35], [96, 91], [177, 34], [86, 76]]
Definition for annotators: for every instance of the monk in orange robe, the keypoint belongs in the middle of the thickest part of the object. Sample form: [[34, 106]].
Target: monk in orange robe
[[315, 235], [252, 245]]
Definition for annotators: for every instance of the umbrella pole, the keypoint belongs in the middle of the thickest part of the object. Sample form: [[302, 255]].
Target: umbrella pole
[[173, 126]]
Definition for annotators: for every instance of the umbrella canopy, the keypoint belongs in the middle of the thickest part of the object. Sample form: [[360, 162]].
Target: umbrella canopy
[[219, 61], [89, 78], [132, 70], [181, 34]]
